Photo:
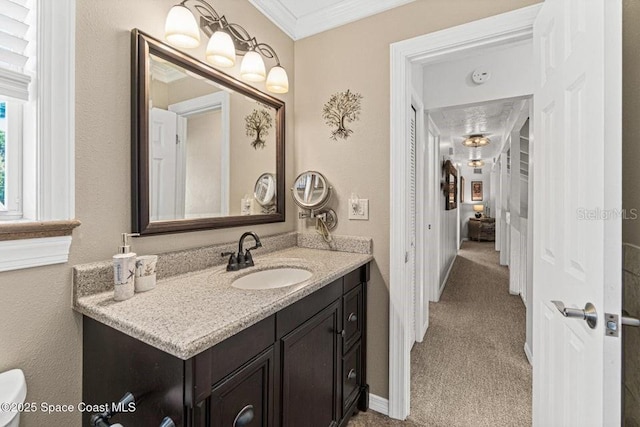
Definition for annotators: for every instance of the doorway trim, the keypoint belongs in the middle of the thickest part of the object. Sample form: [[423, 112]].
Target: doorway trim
[[454, 42]]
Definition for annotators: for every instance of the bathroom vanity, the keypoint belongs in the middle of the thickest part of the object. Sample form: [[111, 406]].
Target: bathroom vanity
[[272, 357]]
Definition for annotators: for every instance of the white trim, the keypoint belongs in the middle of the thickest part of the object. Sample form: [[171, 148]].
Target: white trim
[[378, 404], [56, 115], [333, 16], [14, 84], [493, 31], [212, 102], [443, 284], [527, 352], [49, 149], [18, 254]]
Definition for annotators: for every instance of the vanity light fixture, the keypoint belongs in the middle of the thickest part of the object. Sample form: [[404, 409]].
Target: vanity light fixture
[[226, 40], [476, 163], [476, 141]]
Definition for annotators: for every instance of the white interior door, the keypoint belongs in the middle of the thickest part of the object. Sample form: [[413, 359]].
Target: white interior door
[[163, 165], [577, 239]]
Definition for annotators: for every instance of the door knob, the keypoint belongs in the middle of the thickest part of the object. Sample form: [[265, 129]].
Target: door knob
[[588, 313]]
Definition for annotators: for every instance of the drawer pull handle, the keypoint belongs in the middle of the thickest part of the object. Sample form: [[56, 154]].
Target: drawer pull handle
[[352, 374], [352, 318], [244, 417]]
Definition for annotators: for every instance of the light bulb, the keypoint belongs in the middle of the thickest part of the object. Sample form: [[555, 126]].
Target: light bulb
[[277, 80], [181, 28], [220, 50], [252, 67]]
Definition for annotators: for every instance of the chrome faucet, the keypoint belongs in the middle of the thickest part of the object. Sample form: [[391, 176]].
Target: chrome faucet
[[243, 259]]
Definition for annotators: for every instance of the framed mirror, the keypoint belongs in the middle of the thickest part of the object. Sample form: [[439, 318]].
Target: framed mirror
[[199, 140]]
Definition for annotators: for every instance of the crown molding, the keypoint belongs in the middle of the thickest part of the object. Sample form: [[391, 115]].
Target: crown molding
[[324, 19]]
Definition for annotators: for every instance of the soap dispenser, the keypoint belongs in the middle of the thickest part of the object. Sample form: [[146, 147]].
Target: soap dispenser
[[124, 270]]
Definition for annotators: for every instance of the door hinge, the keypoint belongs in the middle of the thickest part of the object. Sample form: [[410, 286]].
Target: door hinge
[[406, 257], [612, 325], [177, 140]]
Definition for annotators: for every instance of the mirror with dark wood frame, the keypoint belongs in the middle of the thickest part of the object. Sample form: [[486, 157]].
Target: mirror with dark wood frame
[[201, 140]]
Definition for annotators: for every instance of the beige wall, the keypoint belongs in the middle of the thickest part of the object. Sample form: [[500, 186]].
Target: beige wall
[[40, 333], [630, 122], [356, 57]]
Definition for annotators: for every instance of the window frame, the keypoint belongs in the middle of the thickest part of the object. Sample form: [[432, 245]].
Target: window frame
[[48, 148]]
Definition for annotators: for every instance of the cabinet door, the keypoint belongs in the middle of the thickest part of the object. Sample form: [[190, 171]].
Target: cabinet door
[[311, 373], [245, 399]]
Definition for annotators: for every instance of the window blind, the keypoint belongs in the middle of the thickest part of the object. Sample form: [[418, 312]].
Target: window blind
[[14, 30]]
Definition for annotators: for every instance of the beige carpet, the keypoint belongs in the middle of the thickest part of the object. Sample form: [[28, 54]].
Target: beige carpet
[[471, 369]]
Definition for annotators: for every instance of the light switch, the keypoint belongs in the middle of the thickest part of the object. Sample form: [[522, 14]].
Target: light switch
[[359, 209]]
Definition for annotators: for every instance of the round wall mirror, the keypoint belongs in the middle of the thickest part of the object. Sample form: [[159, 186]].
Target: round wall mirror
[[265, 190], [311, 190]]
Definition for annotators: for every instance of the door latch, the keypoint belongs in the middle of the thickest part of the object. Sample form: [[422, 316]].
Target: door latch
[[613, 322]]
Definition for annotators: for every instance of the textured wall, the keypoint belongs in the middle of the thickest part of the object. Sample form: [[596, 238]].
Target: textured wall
[[40, 333], [356, 57]]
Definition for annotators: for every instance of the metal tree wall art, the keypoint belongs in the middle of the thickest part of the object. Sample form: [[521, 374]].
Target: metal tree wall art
[[257, 126], [342, 108]]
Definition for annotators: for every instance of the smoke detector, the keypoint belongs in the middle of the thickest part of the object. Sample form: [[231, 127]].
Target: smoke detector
[[480, 75]]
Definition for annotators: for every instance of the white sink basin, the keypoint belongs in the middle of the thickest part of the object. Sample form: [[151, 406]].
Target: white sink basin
[[272, 279]]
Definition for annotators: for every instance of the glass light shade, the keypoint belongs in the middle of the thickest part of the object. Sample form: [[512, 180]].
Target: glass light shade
[[478, 208], [252, 67], [277, 80], [181, 28], [476, 163], [220, 50], [476, 141]]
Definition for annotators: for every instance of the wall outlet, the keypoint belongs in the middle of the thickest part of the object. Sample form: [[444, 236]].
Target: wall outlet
[[359, 209]]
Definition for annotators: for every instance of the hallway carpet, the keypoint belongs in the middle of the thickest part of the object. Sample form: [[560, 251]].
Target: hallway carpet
[[471, 370]]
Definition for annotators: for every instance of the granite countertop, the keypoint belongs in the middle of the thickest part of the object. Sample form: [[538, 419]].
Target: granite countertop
[[188, 313]]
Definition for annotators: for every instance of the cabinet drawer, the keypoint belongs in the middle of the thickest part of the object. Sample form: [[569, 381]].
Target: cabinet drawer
[[352, 317], [246, 398], [211, 366], [351, 376]]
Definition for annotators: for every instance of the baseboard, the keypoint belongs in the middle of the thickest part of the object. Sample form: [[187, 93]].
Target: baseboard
[[379, 404], [527, 352], [446, 278]]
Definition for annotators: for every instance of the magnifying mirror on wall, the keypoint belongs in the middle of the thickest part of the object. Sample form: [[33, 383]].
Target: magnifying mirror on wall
[[312, 192], [265, 191]]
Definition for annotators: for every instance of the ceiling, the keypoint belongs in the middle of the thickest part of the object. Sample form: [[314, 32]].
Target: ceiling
[[491, 119], [303, 18]]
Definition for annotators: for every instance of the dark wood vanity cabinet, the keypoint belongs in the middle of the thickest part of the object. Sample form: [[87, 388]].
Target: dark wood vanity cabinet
[[304, 366]]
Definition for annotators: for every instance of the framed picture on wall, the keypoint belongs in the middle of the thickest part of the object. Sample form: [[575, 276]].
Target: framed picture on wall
[[461, 189], [476, 191]]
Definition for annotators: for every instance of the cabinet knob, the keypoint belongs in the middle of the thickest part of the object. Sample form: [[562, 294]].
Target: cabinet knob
[[167, 422], [352, 318], [352, 374], [244, 417], [342, 333]]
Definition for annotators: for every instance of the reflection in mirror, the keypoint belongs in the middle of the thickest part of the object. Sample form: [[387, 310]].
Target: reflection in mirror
[[311, 190], [201, 152], [265, 192]]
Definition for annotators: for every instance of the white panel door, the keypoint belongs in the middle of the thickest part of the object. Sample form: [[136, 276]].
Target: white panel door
[[577, 236], [163, 158]]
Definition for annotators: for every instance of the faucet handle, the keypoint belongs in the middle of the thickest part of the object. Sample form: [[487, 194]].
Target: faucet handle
[[233, 261]]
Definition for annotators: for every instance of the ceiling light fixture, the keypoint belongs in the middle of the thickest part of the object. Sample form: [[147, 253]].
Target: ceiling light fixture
[[476, 141], [476, 163], [226, 40]]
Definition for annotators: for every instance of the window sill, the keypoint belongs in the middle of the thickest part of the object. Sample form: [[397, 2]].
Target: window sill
[[33, 244]]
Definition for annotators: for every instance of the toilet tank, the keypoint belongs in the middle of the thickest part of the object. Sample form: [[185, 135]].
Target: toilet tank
[[13, 391]]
